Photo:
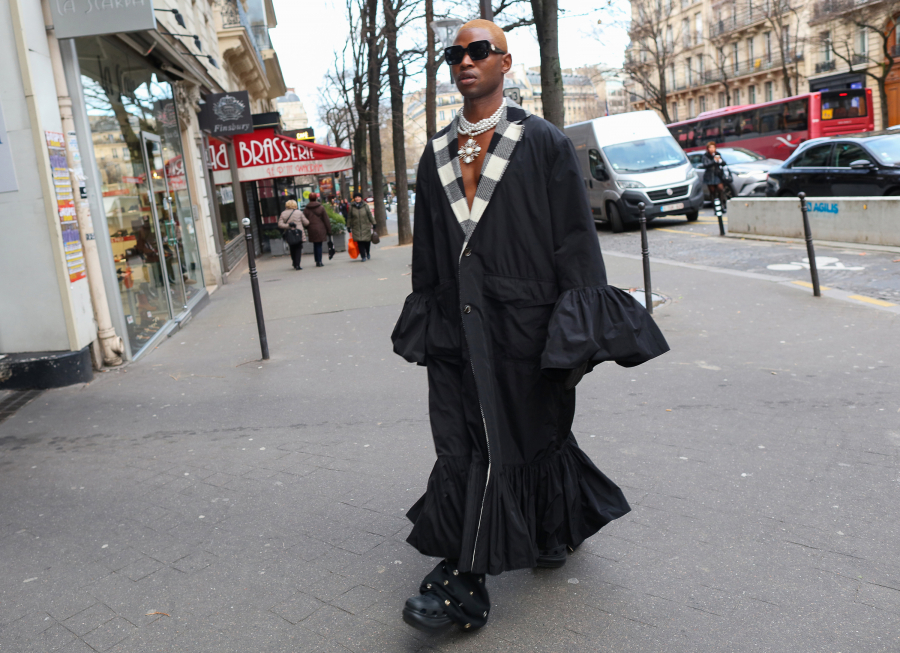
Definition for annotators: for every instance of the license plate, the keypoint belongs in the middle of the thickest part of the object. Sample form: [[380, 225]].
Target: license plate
[[671, 207]]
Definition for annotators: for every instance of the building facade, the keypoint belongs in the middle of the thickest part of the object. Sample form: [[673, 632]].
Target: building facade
[[709, 54], [117, 224], [293, 113]]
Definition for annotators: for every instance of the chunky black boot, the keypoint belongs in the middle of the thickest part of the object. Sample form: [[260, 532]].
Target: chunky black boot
[[552, 558], [448, 597]]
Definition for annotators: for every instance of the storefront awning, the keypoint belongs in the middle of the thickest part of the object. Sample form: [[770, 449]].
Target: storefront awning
[[265, 155]]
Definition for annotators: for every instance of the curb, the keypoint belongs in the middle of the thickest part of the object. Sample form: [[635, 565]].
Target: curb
[[842, 295]]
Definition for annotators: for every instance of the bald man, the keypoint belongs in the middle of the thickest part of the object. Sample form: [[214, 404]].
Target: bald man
[[510, 309]]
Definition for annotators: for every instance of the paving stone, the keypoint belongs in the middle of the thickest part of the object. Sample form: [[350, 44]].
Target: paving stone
[[357, 599], [89, 619]]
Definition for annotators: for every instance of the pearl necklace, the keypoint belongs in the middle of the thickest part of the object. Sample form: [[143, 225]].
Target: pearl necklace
[[470, 151]]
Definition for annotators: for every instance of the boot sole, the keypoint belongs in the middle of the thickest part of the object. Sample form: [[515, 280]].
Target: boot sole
[[430, 625], [551, 563]]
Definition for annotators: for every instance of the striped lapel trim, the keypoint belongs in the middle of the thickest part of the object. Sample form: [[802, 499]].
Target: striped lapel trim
[[506, 136]]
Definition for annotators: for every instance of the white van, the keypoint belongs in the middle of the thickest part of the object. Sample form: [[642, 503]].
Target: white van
[[631, 158]]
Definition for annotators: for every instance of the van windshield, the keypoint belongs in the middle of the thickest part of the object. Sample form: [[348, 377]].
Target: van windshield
[[646, 155]]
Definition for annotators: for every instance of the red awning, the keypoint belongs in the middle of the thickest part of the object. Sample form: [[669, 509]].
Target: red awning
[[265, 154]]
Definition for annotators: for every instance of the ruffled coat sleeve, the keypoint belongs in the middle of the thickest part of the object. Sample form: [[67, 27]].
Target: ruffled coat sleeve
[[409, 333], [592, 321]]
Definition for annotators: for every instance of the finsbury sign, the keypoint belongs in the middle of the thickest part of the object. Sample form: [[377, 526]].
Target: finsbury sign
[[226, 114], [73, 18]]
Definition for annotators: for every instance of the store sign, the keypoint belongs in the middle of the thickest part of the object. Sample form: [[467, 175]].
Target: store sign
[[74, 18], [266, 155], [7, 170], [227, 114]]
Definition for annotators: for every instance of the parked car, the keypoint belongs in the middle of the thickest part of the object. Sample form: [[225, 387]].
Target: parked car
[[749, 171], [866, 165], [629, 158]]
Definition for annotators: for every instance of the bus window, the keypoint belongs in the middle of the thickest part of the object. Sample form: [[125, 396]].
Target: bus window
[[748, 123], [771, 120], [680, 135], [711, 129], [730, 127], [796, 115], [840, 105]]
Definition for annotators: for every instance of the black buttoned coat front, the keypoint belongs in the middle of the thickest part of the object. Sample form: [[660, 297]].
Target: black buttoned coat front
[[508, 298]]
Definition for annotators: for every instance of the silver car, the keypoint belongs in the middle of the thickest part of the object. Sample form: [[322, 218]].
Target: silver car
[[749, 171]]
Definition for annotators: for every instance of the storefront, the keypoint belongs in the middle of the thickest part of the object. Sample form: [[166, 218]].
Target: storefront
[[272, 169], [146, 200]]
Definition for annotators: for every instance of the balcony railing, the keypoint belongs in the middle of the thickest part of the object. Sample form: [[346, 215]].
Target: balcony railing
[[234, 16], [825, 9], [825, 66]]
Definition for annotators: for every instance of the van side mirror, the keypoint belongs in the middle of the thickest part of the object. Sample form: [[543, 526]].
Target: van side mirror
[[862, 164], [599, 173]]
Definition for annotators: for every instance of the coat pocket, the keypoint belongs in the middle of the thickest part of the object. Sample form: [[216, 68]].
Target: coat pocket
[[443, 336], [518, 312]]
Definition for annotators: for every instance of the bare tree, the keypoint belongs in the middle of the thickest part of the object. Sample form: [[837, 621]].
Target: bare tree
[[375, 46], [546, 22], [655, 46], [850, 25], [397, 14], [783, 19], [722, 70], [432, 61]]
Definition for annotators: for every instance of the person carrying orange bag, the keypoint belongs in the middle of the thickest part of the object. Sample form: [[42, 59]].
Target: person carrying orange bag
[[352, 247]]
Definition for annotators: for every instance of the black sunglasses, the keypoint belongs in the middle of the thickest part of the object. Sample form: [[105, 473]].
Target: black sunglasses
[[477, 50]]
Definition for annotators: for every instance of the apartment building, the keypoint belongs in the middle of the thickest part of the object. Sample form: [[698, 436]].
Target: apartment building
[[697, 55]]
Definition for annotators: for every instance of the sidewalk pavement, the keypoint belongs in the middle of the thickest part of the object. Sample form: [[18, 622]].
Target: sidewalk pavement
[[203, 501]]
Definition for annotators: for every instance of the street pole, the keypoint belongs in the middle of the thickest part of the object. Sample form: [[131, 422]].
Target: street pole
[[717, 203], [645, 255], [254, 284], [810, 251]]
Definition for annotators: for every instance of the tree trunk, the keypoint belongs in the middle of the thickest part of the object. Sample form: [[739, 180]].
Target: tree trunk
[[361, 167], [404, 232], [546, 21], [882, 93], [373, 118], [431, 67]]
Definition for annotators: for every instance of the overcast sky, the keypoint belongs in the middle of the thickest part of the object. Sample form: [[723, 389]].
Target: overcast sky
[[307, 35]]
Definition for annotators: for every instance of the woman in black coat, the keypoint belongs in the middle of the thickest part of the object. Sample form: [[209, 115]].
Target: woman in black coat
[[714, 175]]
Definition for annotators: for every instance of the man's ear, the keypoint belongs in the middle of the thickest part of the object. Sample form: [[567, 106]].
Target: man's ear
[[507, 63]]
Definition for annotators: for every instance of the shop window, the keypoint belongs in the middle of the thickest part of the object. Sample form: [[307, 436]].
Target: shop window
[[145, 198]]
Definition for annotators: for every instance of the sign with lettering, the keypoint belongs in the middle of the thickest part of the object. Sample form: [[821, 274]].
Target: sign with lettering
[[265, 155], [226, 114], [74, 18]]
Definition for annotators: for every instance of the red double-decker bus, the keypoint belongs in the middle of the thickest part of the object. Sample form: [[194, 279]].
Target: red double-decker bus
[[775, 129]]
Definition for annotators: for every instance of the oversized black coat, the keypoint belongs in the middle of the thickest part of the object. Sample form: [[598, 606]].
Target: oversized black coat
[[506, 299]]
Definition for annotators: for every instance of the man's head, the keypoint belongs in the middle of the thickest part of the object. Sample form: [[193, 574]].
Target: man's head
[[479, 77]]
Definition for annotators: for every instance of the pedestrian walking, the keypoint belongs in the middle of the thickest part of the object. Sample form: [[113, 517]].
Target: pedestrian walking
[[319, 226], [714, 174], [510, 308], [292, 223], [359, 224]]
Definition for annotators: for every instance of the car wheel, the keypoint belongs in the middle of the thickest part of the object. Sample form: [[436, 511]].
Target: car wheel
[[615, 218], [729, 192], [692, 216]]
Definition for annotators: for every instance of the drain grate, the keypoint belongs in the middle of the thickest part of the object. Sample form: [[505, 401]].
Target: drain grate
[[13, 400]]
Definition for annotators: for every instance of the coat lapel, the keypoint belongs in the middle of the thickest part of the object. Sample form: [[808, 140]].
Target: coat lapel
[[446, 148]]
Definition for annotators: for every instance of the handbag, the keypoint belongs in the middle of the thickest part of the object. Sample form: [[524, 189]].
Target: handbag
[[293, 236], [375, 237], [727, 177], [331, 249], [352, 247]]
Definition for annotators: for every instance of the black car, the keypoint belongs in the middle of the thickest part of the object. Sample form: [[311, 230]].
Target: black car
[[865, 164]]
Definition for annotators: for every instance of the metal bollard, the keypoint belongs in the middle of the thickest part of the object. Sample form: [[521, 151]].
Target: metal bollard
[[645, 255], [254, 284], [810, 252], [717, 203]]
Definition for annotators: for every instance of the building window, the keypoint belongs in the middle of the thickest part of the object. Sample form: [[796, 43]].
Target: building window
[[670, 39], [826, 46], [767, 38], [736, 96], [721, 99], [700, 69], [698, 27], [690, 107], [686, 32], [672, 76], [786, 43], [675, 111], [769, 92], [689, 72], [453, 113], [751, 93], [442, 116], [751, 51], [702, 103], [862, 41], [733, 15], [735, 56]]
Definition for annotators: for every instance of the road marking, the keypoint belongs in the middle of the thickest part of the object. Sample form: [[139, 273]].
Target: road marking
[[807, 284], [822, 262], [678, 231], [871, 300]]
